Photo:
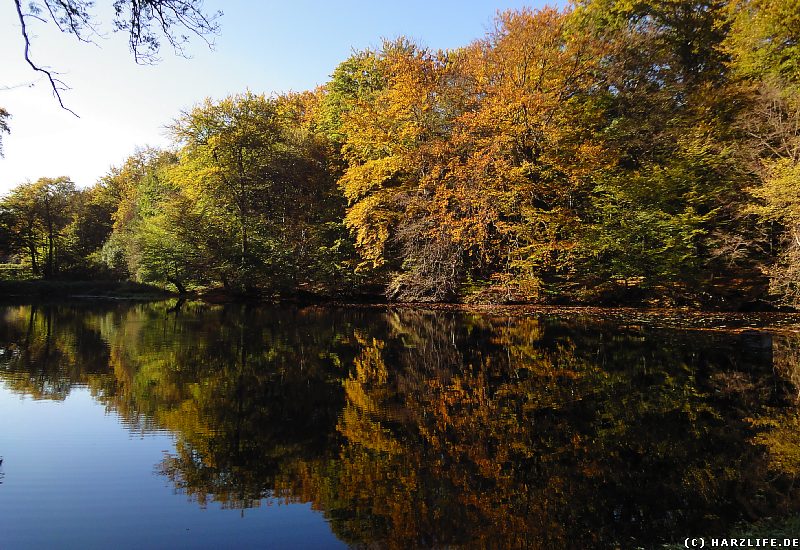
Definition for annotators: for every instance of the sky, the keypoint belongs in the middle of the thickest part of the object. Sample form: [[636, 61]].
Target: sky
[[265, 46]]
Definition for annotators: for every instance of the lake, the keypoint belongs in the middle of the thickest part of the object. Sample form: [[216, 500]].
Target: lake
[[145, 425]]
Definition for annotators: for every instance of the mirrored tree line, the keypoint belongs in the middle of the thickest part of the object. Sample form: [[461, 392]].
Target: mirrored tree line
[[406, 426]]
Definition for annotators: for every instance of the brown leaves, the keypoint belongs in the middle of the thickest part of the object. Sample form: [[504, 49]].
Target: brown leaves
[[449, 162]]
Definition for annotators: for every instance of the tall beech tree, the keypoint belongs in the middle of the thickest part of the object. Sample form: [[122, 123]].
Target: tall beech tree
[[229, 151], [247, 200], [249, 172], [41, 211]]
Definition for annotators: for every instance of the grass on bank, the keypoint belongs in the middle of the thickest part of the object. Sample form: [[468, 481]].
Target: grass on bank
[[122, 290]]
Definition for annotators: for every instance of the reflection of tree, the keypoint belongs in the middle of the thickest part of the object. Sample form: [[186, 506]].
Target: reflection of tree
[[246, 392], [779, 432], [45, 350], [492, 432], [419, 429], [264, 411]]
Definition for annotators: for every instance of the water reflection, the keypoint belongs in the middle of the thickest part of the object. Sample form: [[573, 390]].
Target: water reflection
[[411, 428]]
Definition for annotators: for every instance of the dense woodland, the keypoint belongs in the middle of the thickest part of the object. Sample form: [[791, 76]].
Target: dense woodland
[[613, 151]]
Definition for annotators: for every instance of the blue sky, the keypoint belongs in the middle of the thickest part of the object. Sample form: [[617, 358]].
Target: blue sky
[[267, 46]]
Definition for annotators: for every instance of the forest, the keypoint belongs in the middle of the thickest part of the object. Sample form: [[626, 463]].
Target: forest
[[612, 152]]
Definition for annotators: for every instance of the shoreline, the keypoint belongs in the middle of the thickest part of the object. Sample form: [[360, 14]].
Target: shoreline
[[82, 290], [684, 318], [629, 316]]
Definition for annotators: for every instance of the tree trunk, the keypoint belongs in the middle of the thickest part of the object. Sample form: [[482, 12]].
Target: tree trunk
[[48, 270], [244, 242], [34, 265], [245, 271], [178, 284]]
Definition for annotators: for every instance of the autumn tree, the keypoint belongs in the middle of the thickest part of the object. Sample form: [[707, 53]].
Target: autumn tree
[[228, 149], [530, 149], [765, 58], [462, 165], [91, 225], [19, 213], [664, 212], [255, 171], [53, 205], [41, 212], [156, 235], [388, 120]]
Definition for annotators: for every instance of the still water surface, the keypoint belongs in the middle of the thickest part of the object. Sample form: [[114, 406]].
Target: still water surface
[[140, 426]]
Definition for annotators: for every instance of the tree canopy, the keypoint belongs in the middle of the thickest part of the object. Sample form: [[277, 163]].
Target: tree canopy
[[609, 152]]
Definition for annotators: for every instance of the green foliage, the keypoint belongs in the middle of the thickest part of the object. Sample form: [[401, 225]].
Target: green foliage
[[232, 166], [246, 202], [354, 80], [4, 128], [39, 215], [764, 38], [139, 188], [614, 147]]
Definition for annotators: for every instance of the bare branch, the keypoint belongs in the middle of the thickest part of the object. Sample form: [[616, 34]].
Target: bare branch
[[146, 22], [57, 85], [29, 84], [72, 17]]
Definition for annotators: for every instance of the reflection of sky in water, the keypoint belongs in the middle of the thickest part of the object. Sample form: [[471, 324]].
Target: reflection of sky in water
[[75, 477], [406, 428]]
